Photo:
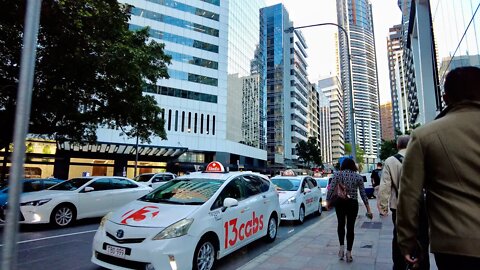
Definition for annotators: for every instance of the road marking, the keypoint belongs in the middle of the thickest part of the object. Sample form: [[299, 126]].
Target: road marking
[[53, 237]]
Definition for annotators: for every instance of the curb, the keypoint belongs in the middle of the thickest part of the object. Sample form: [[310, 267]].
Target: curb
[[252, 264]]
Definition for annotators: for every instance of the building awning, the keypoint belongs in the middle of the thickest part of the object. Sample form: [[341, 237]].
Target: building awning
[[123, 149]]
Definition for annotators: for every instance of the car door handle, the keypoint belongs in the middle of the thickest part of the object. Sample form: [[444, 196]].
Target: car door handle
[[246, 209]]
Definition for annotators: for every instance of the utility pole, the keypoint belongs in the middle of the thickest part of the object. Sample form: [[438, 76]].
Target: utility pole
[[22, 113]]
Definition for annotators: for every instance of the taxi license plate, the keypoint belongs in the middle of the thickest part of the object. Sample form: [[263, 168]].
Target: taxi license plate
[[118, 252]]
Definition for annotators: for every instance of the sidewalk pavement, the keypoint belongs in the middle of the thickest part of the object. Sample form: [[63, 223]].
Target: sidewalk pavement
[[316, 247]]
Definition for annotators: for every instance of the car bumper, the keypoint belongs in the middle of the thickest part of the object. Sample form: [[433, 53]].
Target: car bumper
[[149, 254], [35, 214], [289, 212]]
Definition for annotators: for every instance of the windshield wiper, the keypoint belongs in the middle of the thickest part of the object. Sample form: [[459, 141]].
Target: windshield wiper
[[194, 203]]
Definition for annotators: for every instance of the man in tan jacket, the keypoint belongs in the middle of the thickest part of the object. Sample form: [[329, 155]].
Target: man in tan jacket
[[388, 194], [444, 158]]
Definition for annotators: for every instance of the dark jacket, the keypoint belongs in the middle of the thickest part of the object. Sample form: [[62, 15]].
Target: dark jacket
[[444, 157]]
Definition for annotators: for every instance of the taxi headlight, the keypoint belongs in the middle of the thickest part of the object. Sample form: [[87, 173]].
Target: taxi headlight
[[291, 200], [177, 229], [35, 203], [105, 219]]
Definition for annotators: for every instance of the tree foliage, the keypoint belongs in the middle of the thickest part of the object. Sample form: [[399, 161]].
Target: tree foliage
[[90, 71], [360, 154], [309, 152], [387, 149]]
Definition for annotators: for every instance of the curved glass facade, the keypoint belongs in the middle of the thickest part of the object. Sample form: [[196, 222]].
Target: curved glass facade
[[356, 17], [456, 26]]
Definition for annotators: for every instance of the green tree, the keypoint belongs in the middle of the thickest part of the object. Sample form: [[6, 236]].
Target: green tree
[[387, 149], [90, 71], [360, 154], [309, 152]]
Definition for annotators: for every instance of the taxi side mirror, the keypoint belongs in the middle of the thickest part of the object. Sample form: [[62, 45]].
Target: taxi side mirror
[[307, 190], [229, 202], [88, 189]]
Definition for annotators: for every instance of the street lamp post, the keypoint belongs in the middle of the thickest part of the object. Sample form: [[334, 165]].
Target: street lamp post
[[352, 114]]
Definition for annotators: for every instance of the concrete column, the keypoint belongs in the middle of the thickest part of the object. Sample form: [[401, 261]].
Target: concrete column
[[61, 166], [119, 165], [423, 59]]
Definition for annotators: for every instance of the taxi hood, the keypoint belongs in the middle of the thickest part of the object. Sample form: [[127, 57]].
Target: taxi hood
[[285, 195], [153, 215]]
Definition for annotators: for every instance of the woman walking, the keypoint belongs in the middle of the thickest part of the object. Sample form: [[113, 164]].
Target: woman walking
[[347, 209]]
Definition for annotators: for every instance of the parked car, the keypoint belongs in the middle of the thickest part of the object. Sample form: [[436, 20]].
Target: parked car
[[299, 196], [323, 183], [367, 182], [155, 180], [189, 222], [79, 198], [30, 185]]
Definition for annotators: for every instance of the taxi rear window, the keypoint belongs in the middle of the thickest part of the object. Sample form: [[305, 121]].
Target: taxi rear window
[[286, 184], [184, 191]]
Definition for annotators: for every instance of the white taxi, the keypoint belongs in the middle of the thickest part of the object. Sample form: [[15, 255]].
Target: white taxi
[[79, 198], [189, 222], [299, 196]]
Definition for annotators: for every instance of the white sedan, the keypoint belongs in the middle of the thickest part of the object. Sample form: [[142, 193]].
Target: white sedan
[[155, 180], [79, 198], [189, 222], [299, 196]]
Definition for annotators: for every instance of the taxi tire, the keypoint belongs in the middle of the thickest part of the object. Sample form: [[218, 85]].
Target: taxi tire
[[65, 208], [268, 238], [320, 208], [300, 220], [205, 240]]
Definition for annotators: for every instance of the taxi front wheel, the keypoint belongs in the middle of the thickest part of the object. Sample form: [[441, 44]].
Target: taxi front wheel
[[204, 257], [271, 229], [301, 215]]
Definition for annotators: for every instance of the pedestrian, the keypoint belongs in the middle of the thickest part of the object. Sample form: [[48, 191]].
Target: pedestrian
[[387, 197], [347, 210], [375, 178], [444, 158]]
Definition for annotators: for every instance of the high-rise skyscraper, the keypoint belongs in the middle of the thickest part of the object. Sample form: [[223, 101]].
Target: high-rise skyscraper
[[386, 117], [285, 70], [325, 125], [355, 16], [398, 80], [331, 88]]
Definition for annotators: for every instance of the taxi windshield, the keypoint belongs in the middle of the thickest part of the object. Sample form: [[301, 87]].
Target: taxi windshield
[[184, 191], [286, 184], [143, 177]]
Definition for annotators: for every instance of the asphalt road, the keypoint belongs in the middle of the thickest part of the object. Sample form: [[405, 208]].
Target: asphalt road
[[44, 247]]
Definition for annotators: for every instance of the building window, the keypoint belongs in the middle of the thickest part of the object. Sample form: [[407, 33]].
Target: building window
[[169, 120], [195, 124], [208, 123], [174, 92], [189, 128], [201, 123], [190, 9], [176, 120], [183, 121], [213, 125], [177, 39]]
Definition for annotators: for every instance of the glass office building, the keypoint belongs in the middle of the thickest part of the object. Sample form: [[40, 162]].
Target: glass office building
[[208, 40], [356, 17], [285, 69]]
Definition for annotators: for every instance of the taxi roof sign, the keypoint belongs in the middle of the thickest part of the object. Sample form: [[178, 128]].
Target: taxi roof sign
[[215, 166], [289, 173]]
